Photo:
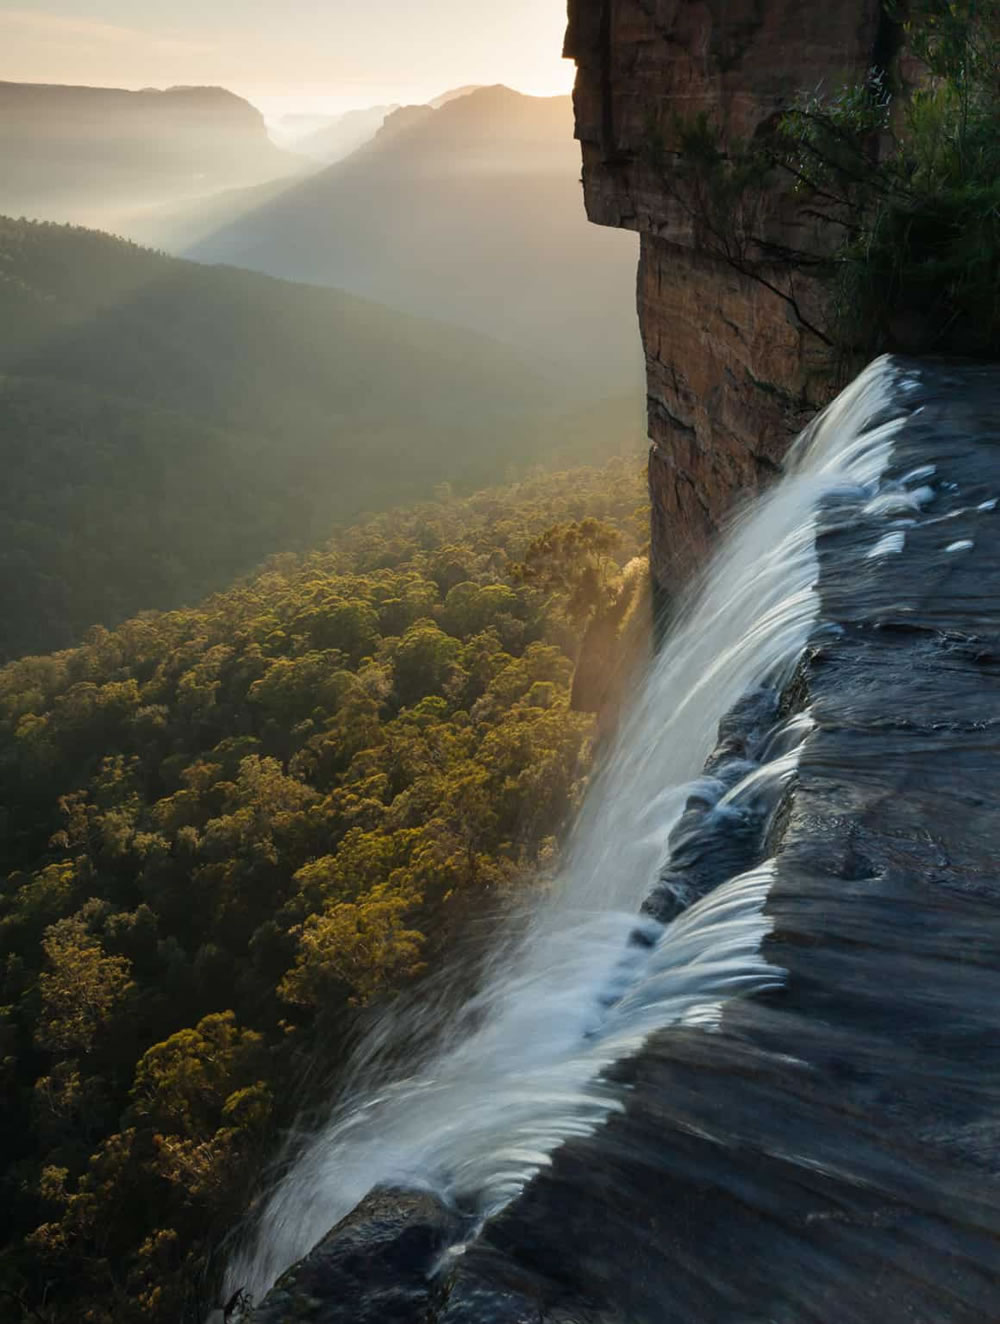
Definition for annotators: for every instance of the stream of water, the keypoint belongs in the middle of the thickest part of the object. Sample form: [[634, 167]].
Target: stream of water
[[521, 1067]]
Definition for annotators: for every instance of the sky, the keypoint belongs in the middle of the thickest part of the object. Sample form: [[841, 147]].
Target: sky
[[289, 55]]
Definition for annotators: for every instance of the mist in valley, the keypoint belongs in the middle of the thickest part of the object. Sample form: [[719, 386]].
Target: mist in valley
[[433, 307], [93, 156]]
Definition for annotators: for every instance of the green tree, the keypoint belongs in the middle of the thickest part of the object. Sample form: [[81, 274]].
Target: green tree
[[80, 986], [225, 833], [365, 946]]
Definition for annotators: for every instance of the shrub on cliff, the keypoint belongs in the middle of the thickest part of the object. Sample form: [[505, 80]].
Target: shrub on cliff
[[895, 189], [914, 183]]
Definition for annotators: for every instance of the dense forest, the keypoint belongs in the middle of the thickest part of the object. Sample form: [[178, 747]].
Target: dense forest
[[231, 829], [165, 426]]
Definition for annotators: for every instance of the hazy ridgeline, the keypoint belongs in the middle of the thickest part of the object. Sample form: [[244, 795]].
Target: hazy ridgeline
[[471, 212], [165, 426], [92, 154], [467, 209], [336, 136]]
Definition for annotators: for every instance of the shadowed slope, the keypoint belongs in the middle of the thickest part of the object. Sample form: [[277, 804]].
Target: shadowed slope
[[164, 426], [470, 213]]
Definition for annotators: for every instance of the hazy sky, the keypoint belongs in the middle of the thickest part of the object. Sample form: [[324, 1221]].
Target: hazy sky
[[289, 53]]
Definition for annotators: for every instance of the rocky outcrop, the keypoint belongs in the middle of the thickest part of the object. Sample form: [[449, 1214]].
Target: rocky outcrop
[[733, 368], [378, 1265]]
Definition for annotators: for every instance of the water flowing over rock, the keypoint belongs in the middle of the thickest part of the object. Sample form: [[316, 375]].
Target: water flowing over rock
[[774, 1096]]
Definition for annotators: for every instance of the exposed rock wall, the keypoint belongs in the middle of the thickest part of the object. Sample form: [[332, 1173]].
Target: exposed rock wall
[[733, 370]]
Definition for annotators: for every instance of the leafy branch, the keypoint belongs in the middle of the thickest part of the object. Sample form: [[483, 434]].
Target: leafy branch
[[907, 186]]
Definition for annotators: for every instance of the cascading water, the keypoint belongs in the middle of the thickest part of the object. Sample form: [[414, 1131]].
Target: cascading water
[[520, 1069]]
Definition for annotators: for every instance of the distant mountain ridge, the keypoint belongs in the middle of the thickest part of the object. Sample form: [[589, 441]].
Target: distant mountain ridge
[[343, 134], [76, 153], [472, 213], [453, 94]]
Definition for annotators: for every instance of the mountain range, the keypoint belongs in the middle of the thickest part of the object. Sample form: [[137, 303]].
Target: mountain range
[[340, 135], [471, 213], [87, 154], [165, 426]]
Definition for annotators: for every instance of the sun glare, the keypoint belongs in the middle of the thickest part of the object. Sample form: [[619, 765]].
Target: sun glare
[[300, 57]]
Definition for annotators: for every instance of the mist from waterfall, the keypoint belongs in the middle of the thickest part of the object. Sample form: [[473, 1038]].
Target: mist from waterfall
[[521, 1067]]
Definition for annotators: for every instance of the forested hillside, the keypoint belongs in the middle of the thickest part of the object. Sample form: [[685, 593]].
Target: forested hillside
[[165, 426], [229, 829]]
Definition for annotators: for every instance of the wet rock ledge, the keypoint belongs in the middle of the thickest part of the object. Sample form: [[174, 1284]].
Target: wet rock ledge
[[831, 1153]]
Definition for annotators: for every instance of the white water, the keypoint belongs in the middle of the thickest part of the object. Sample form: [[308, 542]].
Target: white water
[[518, 1071]]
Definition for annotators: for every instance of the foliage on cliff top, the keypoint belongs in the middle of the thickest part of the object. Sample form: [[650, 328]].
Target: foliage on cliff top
[[228, 828], [914, 183], [907, 179]]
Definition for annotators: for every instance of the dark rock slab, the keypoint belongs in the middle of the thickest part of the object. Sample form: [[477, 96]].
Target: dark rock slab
[[377, 1266], [706, 849]]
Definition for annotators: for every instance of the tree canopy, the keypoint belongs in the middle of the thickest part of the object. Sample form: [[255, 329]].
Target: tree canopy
[[230, 829]]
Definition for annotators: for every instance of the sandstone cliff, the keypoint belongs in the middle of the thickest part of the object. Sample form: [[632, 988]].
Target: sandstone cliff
[[733, 369]]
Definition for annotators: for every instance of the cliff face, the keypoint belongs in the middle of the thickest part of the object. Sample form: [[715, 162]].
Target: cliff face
[[733, 370]]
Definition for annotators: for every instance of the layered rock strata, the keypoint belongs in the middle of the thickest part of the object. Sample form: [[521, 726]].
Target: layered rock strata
[[733, 368]]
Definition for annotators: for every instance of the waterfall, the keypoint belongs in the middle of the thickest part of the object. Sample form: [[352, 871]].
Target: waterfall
[[522, 1067]]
